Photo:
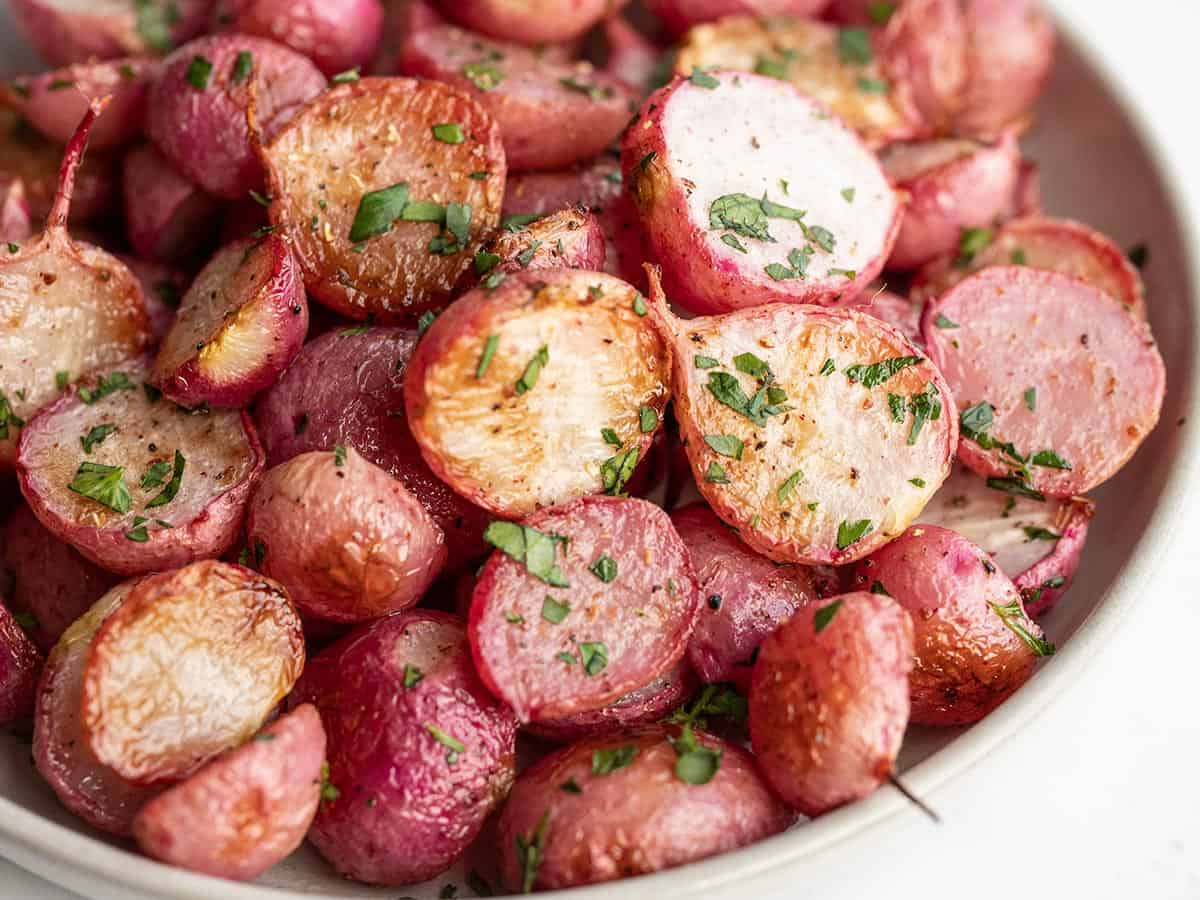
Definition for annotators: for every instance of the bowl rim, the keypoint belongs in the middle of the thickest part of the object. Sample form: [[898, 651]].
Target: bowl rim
[[74, 859]]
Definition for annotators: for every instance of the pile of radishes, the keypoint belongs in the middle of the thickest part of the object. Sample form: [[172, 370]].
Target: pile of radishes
[[897, 381]]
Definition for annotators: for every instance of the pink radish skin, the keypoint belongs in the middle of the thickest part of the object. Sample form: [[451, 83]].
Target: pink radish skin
[[203, 132], [684, 156], [680, 15], [163, 288], [66, 31], [67, 306], [631, 57], [223, 462], [345, 538], [54, 102], [91, 790], [269, 787], [337, 35], [167, 217], [567, 239], [552, 113], [49, 580], [530, 21], [951, 186], [241, 323], [20, 666]]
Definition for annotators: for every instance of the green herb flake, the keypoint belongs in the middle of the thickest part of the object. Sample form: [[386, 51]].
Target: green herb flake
[[529, 853], [519, 222], [329, 791], [483, 75], [873, 86], [427, 318], [339, 455], [779, 272], [525, 257], [198, 73], [848, 194], [96, 436], [823, 616], [716, 474], [535, 549], [104, 484], [751, 365], [349, 76], [594, 656], [878, 588], [771, 67], [789, 484], [564, 657], [61, 380], [917, 482], [854, 46], [154, 20], [731, 240], [696, 764], [377, 211], [554, 611], [639, 305], [706, 362], [1015, 619], [725, 444], [828, 367], [1048, 459], [108, 384], [485, 262], [700, 78], [943, 322], [778, 211], [970, 242], [533, 369], [1018, 257], [14, 247], [1014, 486], [449, 133], [647, 419], [850, 533], [172, 486], [604, 568], [242, 66], [452, 744], [1036, 533], [485, 358], [741, 214], [593, 92], [616, 471], [513, 618], [875, 374], [611, 437], [412, 676], [880, 12], [607, 760], [479, 176], [1031, 399]]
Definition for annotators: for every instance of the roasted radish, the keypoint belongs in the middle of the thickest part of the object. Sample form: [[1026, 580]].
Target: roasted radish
[[829, 700], [385, 223], [680, 15], [66, 308], [580, 605], [721, 170], [240, 325], [819, 434], [973, 642], [167, 217], [132, 481], [562, 366], [20, 666], [567, 239], [344, 537], [337, 35], [189, 665], [15, 224], [1056, 384]]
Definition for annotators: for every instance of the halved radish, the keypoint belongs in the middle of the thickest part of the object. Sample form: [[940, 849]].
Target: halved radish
[[54, 102], [1057, 385], [631, 57], [1036, 543], [1056, 245], [268, 789], [70, 31], [552, 112], [86, 787], [132, 481], [580, 605], [897, 311], [66, 308], [37, 162], [924, 49], [751, 193], [189, 665], [166, 216], [952, 185], [538, 389], [210, 91], [974, 644], [240, 325], [384, 223], [337, 35], [819, 434], [594, 184], [15, 224], [839, 68]]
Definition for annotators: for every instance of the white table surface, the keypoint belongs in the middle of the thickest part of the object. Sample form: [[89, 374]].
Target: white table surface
[[1100, 796]]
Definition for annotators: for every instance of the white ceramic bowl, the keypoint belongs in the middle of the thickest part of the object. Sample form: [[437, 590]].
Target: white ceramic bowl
[[1102, 163]]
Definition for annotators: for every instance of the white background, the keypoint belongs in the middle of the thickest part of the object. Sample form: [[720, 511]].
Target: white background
[[1099, 796]]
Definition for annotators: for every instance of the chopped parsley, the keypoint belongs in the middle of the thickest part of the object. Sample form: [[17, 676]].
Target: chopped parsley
[[823, 616], [1048, 459], [485, 358], [731, 240], [725, 444], [96, 436], [529, 853], [1014, 618], [449, 133], [706, 362], [594, 656], [850, 533], [104, 484], [1037, 533], [716, 474], [616, 471], [349, 76], [242, 66], [742, 214], [533, 368], [647, 419], [483, 75], [1014, 486], [789, 485], [452, 744], [696, 764], [848, 194], [607, 760], [700, 78], [535, 549], [172, 486], [604, 568], [108, 384], [611, 437], [1031, 399], [942, 322], [854, 46], [198, 73], [875, 374], [412, 676], [554, 611], [377, 210], [970, 242]]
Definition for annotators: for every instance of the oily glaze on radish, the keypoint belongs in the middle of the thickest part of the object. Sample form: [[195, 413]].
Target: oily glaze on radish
[[792, 432], [559, 364], [15, 223], [132, 481], [384, 225], [240, 324], [189, 665], [337, 35], [65, 307], [567, 239], [716, 169], [20, 666], [345, 538], [829, 700]]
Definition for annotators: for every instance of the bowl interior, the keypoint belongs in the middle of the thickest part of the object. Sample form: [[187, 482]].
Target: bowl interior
[[1096, 169]]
